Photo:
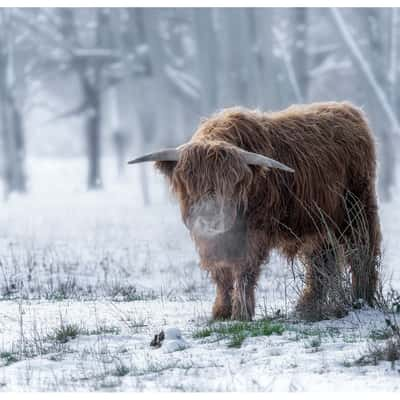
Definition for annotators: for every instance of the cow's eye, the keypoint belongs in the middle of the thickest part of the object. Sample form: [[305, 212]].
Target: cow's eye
[[211, 193]]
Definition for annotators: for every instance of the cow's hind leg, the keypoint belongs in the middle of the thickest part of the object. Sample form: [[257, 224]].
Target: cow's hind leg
[[243, 301], [322, 275], [222, 308], [363, 241]]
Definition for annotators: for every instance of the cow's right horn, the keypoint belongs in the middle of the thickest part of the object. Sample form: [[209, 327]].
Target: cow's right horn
[[258, 159], [162, 155]]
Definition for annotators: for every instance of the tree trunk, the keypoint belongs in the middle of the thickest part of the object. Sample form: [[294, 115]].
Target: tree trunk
[[93, 144], [207, 58], [120, 144], [13, 149], [164, 121], [119, 135], [144, 183], [234, 45], [263, 61], [92, 82], [11, 119], [300, 61], [19, 178]]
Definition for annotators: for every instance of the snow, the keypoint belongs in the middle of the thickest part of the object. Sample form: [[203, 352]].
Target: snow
[[173, 340], [121, 273], [172, 334]]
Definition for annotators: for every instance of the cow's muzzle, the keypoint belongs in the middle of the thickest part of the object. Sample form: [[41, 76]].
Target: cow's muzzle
[[209, 217]]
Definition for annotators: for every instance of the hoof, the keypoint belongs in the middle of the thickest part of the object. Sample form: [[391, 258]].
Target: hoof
[[241, 317], [241, 314], [221, 312], [317, 311]]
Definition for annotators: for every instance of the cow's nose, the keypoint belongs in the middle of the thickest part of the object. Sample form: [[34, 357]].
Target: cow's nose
[[210, 218]]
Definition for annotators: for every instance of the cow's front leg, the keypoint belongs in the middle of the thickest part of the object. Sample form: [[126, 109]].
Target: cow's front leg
[[243, 301], [222, 308]]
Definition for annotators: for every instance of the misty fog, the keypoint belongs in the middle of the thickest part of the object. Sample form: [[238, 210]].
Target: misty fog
[[94, 83]]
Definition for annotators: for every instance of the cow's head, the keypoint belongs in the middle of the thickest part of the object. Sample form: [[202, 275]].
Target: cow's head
[[212, 180]]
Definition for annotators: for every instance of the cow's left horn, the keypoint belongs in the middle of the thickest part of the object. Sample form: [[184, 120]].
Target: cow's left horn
[[258, 159], [162, 155]]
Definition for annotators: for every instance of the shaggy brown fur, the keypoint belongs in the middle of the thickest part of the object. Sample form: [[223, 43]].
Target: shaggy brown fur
[[331, 149]]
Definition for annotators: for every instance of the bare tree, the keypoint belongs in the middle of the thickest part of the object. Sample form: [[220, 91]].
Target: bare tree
[[290, 85], [374, 79], [263, 63], [365, 69], [90, 69], [12, 126], [89, 53]]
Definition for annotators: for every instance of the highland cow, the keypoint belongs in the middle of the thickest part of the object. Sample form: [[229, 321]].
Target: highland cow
[[249, 182]]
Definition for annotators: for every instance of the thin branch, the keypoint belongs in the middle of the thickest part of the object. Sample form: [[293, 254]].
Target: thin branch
[[284, 53], [37, 29], [393, 58], [188, 86], [80, 109], [364, 67]]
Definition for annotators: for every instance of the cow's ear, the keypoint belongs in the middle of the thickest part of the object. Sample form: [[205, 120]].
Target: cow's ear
[[166, 167]]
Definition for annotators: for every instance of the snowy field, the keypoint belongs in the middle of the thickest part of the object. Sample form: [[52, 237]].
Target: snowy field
[[88, 279]]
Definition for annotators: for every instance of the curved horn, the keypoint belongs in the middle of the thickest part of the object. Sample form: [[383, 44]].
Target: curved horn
[[258, 159], [162, 155]]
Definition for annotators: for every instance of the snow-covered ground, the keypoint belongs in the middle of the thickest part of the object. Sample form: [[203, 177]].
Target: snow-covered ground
[[88, 279]]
